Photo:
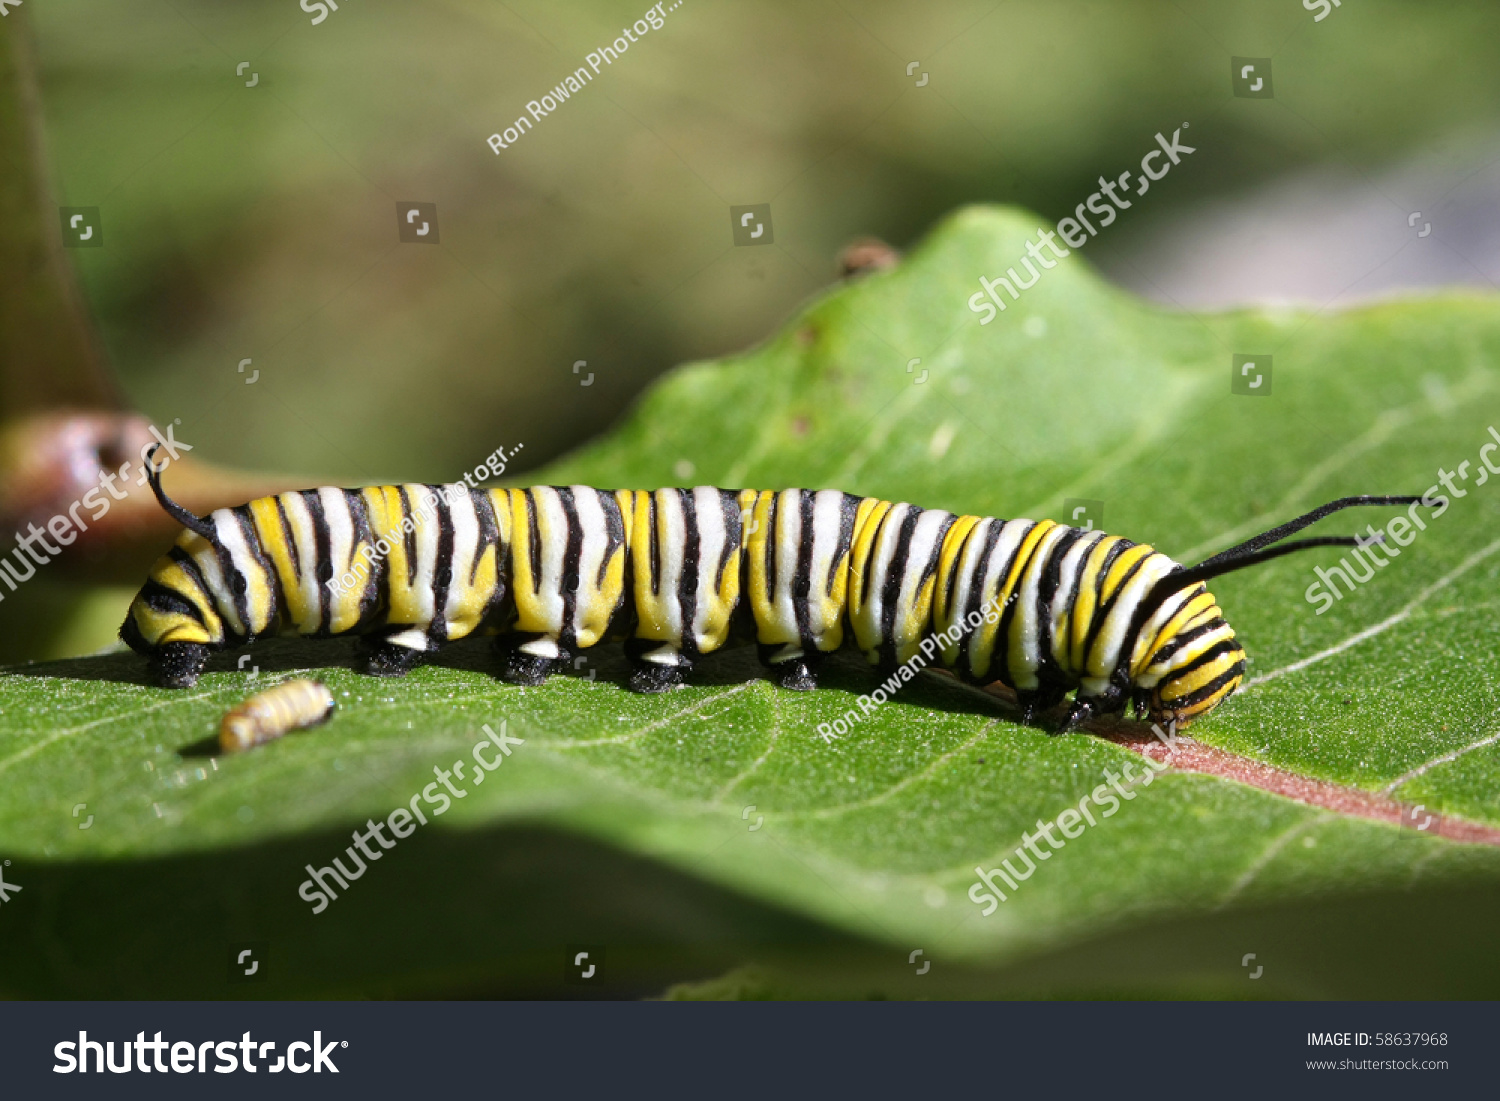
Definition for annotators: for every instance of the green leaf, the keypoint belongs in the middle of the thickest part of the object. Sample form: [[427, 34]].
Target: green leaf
[[714, 827]]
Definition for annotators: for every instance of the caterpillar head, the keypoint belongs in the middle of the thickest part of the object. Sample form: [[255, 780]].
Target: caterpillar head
[[1199, 676], [1195, 662], [1186, 660]]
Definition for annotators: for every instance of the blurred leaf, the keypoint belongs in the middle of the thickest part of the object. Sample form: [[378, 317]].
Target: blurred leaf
[[64, 426], [873, 838], [49, 352]]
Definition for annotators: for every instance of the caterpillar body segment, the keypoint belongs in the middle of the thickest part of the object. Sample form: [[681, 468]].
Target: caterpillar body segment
[[1041, 607], [686, 548], [798, 550], [567, 561]]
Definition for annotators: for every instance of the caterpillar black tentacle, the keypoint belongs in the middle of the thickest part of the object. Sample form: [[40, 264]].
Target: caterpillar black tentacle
[[1041, 607], [169, 506]]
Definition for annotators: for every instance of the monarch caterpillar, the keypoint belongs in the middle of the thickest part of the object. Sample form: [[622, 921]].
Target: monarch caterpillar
[[268, 715], [555, 569]]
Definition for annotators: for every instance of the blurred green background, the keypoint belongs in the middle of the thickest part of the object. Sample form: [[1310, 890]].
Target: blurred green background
[[260, 222]]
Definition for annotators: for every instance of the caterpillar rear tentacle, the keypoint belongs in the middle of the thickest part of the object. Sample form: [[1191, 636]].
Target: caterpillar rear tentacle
[[1043, 608]]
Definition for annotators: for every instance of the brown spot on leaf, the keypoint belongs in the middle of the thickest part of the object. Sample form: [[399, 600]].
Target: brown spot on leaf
[[866, 255]]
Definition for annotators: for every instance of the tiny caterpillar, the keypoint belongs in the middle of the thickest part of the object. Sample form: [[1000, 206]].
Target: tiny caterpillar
[[268, 715]]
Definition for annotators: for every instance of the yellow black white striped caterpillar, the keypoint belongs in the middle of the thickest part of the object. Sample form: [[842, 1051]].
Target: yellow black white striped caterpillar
[[1041, 607]]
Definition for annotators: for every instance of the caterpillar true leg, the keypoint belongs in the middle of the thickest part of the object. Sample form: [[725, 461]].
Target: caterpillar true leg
[[1085, 708], [1079, 712], [1036, 700]]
